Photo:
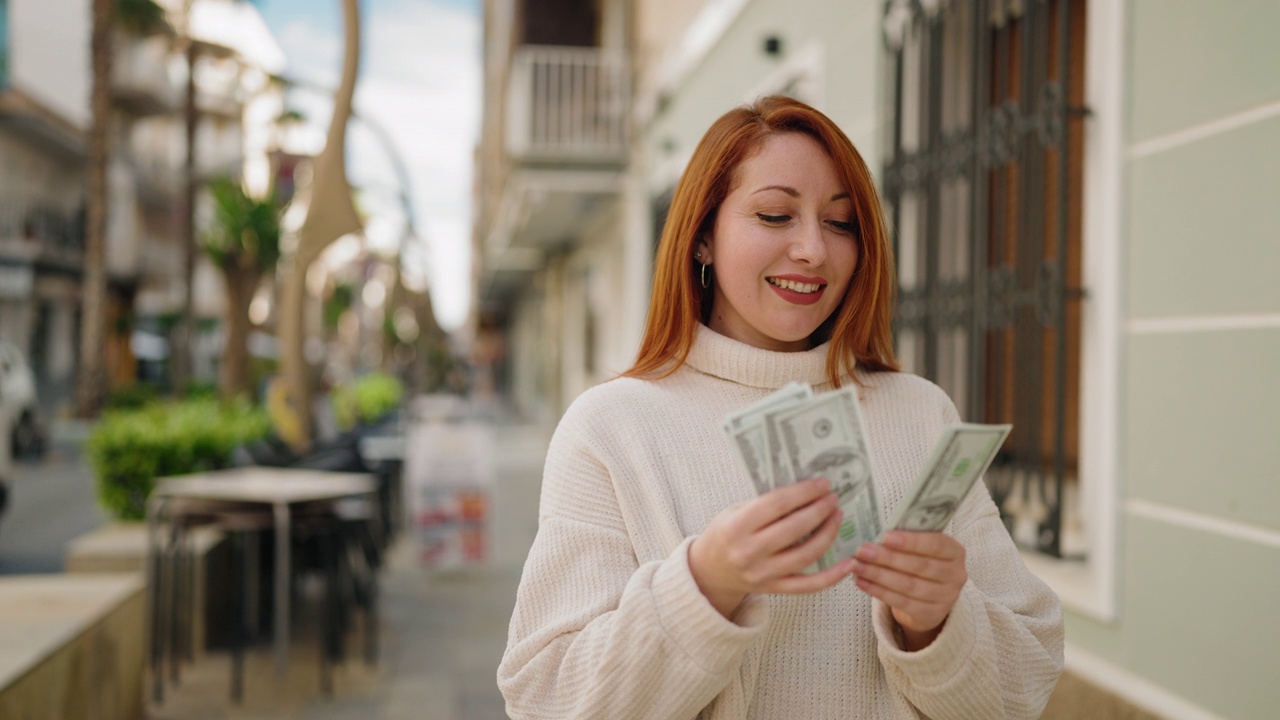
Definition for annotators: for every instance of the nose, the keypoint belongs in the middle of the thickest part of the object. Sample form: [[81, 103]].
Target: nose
[[808, 246]]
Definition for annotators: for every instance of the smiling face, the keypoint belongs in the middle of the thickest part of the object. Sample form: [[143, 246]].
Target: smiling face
[[783, 249]]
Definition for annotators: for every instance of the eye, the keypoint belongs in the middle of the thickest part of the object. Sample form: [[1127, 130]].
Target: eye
[[843, 227], [773, 219]]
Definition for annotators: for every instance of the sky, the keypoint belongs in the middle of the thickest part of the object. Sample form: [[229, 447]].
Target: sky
[[419, 83]]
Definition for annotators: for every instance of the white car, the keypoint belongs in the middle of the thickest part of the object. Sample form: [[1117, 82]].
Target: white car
[[19, 409]]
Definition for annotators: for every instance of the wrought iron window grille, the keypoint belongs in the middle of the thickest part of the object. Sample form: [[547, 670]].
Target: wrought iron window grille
[[980, 190]]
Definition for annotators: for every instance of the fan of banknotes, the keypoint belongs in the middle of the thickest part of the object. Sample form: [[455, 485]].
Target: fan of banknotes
[[794, 435]]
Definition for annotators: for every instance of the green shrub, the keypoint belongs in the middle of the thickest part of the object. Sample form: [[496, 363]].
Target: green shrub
[[139, 395], [130, 449], [367, 399]]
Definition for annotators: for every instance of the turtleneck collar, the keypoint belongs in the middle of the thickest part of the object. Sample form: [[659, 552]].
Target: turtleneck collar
[[728, 359]]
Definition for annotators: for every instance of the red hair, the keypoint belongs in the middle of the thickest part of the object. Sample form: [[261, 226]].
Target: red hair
[[859, 330]]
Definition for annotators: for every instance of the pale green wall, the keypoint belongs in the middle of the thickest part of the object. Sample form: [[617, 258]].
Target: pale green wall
[[1204, 423], [1196, 617], [1204, 224], [1201, 238], [849, 33], [1200, 422], [1196, 60]]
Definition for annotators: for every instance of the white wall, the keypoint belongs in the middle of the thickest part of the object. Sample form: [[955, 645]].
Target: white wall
[[831, 51], [49, 55]]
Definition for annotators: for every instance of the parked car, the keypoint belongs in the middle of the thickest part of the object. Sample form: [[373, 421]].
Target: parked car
[[19, 406]]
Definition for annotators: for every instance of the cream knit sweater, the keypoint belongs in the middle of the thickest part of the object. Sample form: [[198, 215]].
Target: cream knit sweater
[[609, 623]]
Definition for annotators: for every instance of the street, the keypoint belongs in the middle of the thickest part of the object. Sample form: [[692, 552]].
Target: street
[[51, 501]]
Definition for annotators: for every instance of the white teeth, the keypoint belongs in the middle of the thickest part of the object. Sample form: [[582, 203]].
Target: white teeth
[[795, 286]]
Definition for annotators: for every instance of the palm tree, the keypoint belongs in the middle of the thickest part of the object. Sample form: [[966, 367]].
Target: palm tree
[[140, 16], [184, 332], [244, 243], [91, 381], [180, 357]]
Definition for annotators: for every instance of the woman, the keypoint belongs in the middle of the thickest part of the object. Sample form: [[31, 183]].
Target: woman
[[660, 586]]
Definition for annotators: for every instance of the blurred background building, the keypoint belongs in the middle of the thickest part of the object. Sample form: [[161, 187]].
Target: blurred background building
[[1081, 201], [44, 117], [44, 89], [562, 273]]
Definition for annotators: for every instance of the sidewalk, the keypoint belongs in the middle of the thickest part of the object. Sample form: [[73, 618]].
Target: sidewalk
[[442, 635]]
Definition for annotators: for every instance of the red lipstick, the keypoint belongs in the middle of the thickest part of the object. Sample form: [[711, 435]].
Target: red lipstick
[[799, 298]]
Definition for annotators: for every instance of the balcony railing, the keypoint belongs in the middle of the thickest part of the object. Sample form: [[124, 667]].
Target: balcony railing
[[567, 104], [159, 180], [58, 234], [219, 89], [141, 76]]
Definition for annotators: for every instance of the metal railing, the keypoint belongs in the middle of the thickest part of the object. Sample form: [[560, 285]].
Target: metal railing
[[986, 133], [158, 178], [141, 73], [58, 234], [567, 104]]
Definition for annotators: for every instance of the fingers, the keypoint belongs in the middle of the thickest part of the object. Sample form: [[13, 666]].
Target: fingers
[[775, 504], [800, 556], [929, 544], [903, 584], [919, 575], [928, 555], [786, 567], [764, 544], [790, 529], [911, 612], [798, 583]]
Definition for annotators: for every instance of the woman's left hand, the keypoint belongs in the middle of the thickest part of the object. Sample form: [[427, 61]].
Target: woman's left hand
[[919, 575]]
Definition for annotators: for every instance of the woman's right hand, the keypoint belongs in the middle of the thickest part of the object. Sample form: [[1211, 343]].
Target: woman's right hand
[[756, 547]]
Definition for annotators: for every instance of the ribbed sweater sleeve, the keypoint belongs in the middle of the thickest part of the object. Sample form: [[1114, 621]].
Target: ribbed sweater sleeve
[[1000, 652], [597, 634]]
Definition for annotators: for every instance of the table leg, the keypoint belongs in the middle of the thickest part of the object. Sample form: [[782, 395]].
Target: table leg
[[154, 598], [282, 587], [397, 498]]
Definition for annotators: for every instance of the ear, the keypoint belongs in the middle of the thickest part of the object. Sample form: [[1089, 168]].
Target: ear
[[702, 252]]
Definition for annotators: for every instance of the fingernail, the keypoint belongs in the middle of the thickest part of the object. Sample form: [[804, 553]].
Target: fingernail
[[821, 483], [868, 552], [894, 540]]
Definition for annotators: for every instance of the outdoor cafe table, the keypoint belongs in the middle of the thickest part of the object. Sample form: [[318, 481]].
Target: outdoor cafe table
[[281, 488]]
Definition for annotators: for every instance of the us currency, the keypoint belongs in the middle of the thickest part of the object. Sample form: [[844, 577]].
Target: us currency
[[958, 459], [825, 437], [747, 434]]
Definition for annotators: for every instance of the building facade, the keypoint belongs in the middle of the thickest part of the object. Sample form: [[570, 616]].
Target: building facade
[[550, 231], [1080, 197], [44, 118]]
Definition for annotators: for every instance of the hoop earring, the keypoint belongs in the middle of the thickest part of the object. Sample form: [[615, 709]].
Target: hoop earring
[[705, 284]]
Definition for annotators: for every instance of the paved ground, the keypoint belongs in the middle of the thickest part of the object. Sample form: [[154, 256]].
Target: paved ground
[[442, 633], [52, 501]]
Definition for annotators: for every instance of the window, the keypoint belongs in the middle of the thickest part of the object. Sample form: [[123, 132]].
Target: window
[[983, 190], [573, 23]]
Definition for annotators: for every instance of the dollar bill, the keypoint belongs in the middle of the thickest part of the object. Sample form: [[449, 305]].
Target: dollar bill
[[825, 437], [747, 434], [959, 458]]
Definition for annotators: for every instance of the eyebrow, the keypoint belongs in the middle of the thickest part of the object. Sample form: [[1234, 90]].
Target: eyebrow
[[796, 193]]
